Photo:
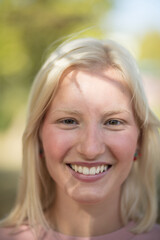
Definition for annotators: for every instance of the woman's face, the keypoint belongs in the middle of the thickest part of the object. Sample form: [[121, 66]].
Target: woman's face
[[89, 136]]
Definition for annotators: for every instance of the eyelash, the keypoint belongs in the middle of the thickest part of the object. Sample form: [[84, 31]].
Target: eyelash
[[64, 121], [71, 121], [113, 121]]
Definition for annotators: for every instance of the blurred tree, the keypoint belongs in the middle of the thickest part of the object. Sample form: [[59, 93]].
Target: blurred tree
[[27, 28], [150, 46], [150, 52]]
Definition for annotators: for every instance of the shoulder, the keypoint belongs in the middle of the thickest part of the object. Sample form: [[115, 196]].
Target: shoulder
[[22, 232], [153, 234]]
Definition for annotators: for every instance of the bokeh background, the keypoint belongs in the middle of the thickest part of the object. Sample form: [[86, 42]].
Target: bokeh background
[[30, 29]]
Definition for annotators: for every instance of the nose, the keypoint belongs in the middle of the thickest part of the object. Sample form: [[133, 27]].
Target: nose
[[91, 143]]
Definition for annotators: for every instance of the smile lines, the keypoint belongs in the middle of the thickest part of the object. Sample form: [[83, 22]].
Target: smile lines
[[89, 171]]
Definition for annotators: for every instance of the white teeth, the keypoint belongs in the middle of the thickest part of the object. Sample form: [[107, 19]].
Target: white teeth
[[89, 171], [92, 171], [75, 168], [85, 171], [98, 169], [102, 168], [80, 169]]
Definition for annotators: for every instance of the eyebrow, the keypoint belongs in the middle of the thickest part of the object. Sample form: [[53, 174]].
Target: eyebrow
[[65, 110], [106, 113], [115, 112]]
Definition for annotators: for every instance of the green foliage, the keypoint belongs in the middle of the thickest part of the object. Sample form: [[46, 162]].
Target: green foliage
[[27, 28], [150, 46], [150, 52]]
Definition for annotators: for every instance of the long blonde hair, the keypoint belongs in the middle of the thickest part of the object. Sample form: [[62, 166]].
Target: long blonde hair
[[139, 197]]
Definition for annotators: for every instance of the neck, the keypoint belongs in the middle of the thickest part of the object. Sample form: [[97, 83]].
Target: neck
[[76, 219]]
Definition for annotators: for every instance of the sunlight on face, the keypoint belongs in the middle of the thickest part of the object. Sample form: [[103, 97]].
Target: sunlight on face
[[89, 136]]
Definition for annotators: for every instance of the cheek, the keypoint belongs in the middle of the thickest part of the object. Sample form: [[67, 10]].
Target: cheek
[[123, 145], [56, 144]]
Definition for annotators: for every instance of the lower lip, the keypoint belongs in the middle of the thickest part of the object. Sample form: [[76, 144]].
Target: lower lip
[[88, 178]]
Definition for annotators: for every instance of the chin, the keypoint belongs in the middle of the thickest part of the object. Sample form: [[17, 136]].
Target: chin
[[84, 197]]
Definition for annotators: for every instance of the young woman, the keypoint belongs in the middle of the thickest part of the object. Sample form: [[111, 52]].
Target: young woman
[[90, 150]]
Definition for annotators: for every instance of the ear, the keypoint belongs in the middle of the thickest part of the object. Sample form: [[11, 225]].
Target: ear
[[139, 142], [41, 152], [40, 134], [138, 147], [40, 130]]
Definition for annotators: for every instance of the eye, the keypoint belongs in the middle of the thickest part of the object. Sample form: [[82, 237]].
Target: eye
[[68, 121], [113, 122]]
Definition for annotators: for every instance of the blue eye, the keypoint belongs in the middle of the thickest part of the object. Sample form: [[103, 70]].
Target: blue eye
[[68, 121], [113, 122]]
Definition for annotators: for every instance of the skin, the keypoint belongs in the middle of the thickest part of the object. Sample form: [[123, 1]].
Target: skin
[[90, 120]]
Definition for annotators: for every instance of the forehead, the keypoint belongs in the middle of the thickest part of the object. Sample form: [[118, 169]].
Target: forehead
[[97, 79], [96, 88]]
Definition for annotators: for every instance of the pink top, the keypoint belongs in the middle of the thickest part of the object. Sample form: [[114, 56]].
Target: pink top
[[121, 234]]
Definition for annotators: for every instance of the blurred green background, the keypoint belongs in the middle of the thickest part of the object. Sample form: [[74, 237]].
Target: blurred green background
[[30, 29]]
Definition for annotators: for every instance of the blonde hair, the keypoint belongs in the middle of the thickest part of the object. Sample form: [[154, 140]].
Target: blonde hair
[[139, 199]]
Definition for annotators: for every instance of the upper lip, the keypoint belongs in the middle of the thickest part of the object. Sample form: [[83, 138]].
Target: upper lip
[[89, 164]]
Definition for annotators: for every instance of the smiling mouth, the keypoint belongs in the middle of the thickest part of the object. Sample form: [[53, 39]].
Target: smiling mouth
[[90, 171]]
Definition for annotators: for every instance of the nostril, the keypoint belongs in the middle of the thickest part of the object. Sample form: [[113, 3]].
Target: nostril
[[90, 144], [90, 153]]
